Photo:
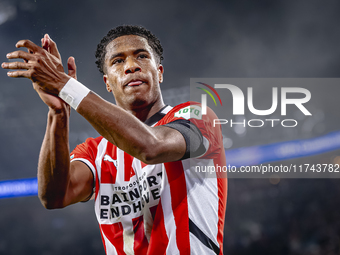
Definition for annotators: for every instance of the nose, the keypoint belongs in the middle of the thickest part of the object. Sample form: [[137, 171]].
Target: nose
[[131, 66]]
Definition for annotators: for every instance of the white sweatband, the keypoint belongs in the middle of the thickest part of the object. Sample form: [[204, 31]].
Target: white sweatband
[[73, 93]]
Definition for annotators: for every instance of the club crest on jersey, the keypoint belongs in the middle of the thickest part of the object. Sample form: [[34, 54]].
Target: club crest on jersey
[[190, 112], [108, 158]]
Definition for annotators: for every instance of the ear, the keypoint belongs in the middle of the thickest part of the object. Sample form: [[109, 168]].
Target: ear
[[106, 80], [160, 73]]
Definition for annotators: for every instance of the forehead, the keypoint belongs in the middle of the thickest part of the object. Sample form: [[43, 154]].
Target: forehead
[[127, 43]]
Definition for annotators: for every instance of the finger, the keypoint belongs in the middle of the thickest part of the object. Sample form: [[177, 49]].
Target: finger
[[19, 74], [15, 65], [20, 54], [29, 51], [72, 68], [53, 49], [44, 43], [29, 45]]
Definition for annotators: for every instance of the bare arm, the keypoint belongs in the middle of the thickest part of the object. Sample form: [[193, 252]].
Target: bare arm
[[60, 183], [151, 145]]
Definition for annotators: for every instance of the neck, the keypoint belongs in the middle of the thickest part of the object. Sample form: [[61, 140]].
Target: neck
[[145, 112]]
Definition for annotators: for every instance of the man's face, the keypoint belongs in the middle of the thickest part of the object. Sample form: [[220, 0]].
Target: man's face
[[132, 72]]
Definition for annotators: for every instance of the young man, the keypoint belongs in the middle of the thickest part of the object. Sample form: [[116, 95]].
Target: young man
[[148, 197]]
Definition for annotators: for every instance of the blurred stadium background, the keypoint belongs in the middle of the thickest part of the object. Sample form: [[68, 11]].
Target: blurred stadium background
[[243, 39]]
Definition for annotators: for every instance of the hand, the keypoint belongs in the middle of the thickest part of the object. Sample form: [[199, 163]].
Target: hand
[[53, 101], [49, 45], [42, 67]]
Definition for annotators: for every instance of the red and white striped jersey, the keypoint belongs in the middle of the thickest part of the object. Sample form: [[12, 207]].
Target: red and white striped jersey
[[168, 208]]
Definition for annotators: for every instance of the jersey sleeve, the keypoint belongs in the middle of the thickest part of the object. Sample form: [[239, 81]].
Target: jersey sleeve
[[212, 136], [86, 153]]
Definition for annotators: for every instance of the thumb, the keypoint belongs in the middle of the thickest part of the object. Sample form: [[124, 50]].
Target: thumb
[[72, 68]]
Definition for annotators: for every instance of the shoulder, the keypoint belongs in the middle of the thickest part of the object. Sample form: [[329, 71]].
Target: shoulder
[[181, 111], [93, 141], [90, 145], [189, 111]]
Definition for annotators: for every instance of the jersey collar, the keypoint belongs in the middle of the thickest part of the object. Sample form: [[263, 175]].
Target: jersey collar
[[158, 116]]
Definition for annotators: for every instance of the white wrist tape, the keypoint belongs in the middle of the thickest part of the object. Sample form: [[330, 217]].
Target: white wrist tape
[[73, 93]]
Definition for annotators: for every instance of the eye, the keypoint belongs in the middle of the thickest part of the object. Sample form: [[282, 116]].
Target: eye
[[117, 61], [142, 56]]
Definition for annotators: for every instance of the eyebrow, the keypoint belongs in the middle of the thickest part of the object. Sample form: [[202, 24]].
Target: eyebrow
[[140, 50], [116, 55], [121, 54]]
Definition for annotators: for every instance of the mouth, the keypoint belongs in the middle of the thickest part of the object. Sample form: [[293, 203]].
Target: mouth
[[134, 83]]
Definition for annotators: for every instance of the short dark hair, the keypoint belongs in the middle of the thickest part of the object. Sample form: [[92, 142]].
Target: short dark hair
[[114, 33]]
